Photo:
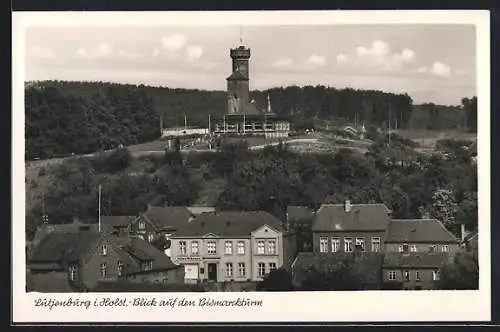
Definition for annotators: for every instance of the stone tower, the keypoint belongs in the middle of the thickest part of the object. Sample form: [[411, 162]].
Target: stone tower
[[238, 82]]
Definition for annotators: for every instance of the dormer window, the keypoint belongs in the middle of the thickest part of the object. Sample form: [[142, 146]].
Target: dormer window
[[104, 250], [142, 225], [72, 273], [147, 265], [119, 270]]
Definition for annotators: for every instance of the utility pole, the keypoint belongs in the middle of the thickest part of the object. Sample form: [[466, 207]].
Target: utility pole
[[389, 122], [99, 219]]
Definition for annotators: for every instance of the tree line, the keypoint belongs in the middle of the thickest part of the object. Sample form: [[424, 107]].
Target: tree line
[[82, 117]]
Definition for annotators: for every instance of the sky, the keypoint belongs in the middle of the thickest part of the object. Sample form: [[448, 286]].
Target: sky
[[431, 62]]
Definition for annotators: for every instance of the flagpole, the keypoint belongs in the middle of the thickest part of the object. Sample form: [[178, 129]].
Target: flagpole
[[99, 208], [185, 122], [161, 124]]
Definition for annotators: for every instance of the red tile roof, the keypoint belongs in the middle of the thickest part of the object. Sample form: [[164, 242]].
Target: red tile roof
[[229, 224], [361, 217], [418, 231]]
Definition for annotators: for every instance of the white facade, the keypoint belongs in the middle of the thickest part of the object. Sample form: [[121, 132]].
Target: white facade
[[184, 131]]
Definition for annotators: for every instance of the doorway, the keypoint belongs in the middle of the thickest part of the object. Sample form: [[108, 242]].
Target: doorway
[[212, 271]]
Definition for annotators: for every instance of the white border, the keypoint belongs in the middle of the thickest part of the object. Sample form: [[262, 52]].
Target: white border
[[359, 306]]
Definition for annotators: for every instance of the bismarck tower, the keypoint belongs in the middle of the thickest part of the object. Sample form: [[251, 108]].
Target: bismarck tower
[[238, 82]]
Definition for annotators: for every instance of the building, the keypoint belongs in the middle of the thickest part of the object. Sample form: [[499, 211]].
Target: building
[[367, 266], [118, 224], [347, 227], [85, 258], [470, 242], [160, 222], [413, 271], [229, 246], [419, 236], [243, 116]]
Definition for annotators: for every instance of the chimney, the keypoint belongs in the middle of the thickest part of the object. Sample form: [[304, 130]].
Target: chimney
[[347, 206], [462, 232]]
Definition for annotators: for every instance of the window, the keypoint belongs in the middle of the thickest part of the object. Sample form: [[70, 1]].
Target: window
[[229, 270], [413, 248], [392, 275], [348, 244], [260, 247], [375, 244], [241, 269], [212, 247], [405, 248], [432, 248], [150, 237], [407, 275], [72, 273], [182, 247], [241, 247], [147, 265], [229, 247], [142, 225], [103, 270], [104, 250], [271, 247], [272, 267], [261, 269], [444, 248], [435, 275], [194, 248], [417, 276], [119, 270], [400, 248], [335, 244], [360, 243], [323, 244]]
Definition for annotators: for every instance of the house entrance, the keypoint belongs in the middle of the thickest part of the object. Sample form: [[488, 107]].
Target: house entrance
[[212, 271]]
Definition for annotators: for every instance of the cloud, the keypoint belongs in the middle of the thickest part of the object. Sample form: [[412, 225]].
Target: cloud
[[341, 58], [130, 55], [441, 69], [155, 53], [194, 52], [422, 70], [42, 52], [174, 42], [316, 60], [102, 50], [283, 63], [379, 54]]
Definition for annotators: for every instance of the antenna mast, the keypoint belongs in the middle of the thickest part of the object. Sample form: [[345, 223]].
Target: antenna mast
[[241, 35], [389, 130]]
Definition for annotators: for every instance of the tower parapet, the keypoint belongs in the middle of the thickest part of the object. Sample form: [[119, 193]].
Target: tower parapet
[[240, 52]]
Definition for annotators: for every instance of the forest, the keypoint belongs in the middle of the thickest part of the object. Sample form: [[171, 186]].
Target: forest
[[412, 184], [63, 118]]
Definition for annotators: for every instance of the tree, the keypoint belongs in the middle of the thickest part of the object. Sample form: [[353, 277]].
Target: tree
[[279, 280], [444, 207], [462, 273]]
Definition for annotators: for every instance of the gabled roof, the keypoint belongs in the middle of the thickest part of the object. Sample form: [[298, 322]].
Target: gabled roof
[[361, 217], [236, 76], [251, 109], [300, 214], [136, 251], [196, 210], [229, 224], [117, 221], [168, 217], [416, 260], [64, 247], [418, 230], [74, 227]]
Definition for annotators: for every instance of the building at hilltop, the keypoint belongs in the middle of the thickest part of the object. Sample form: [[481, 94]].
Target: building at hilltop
[[243, 115]]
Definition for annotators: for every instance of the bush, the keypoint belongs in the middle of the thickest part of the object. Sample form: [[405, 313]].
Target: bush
[[41, 172]]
